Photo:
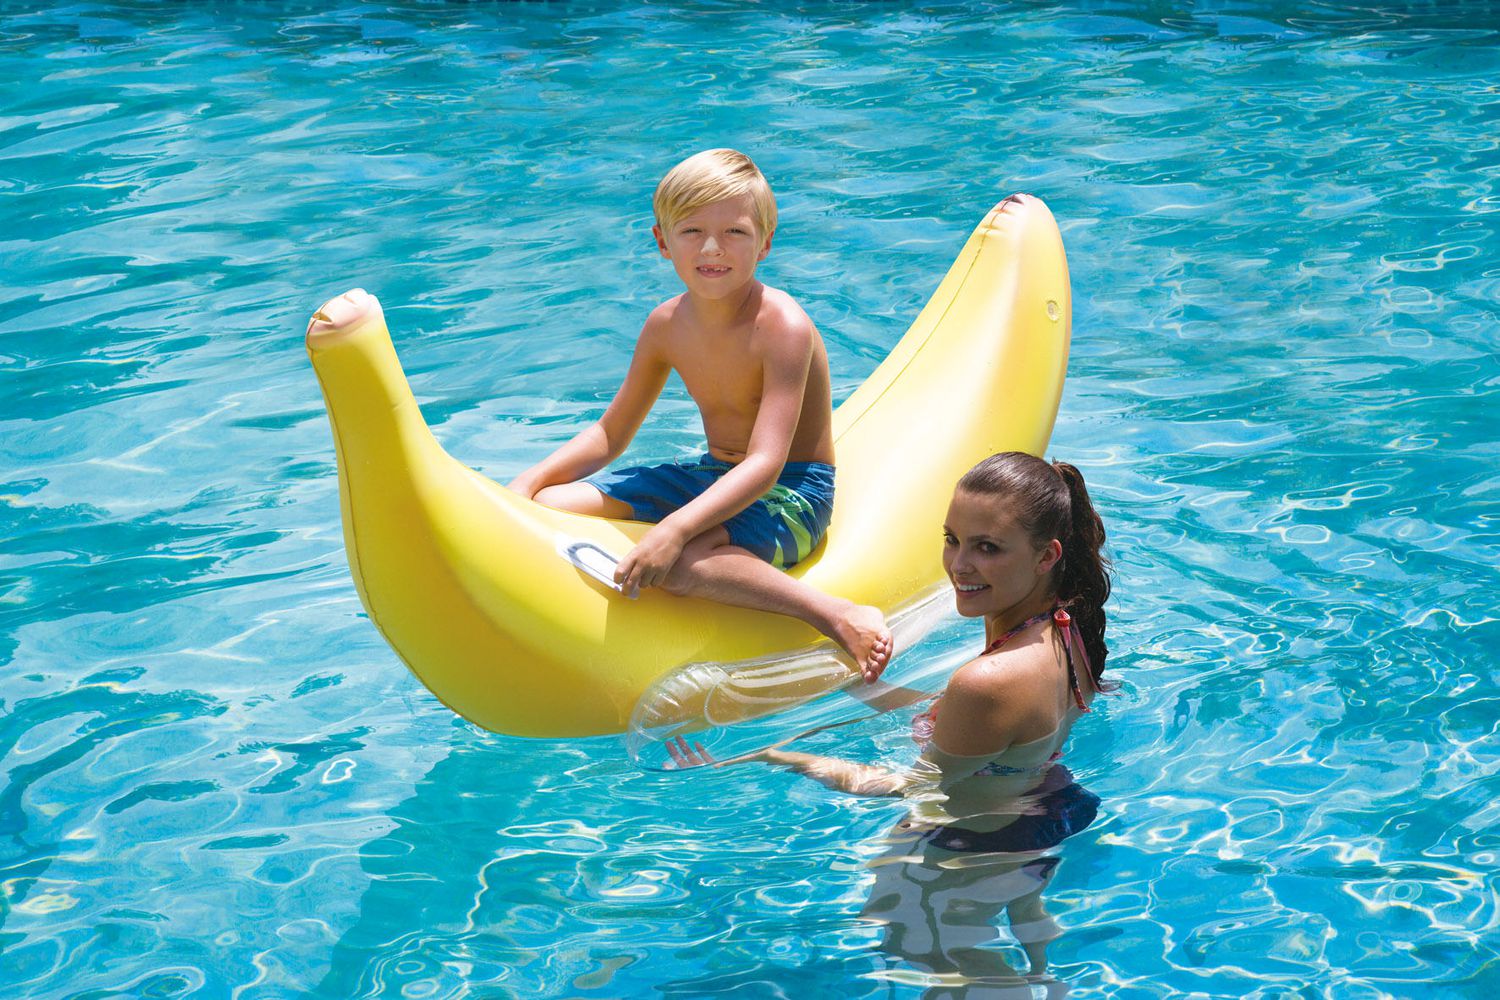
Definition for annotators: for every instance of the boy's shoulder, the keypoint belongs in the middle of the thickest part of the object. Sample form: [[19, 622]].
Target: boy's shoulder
[[781, 310], [783, 329]]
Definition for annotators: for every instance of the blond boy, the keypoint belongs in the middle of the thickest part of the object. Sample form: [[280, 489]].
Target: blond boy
[[759, 500]]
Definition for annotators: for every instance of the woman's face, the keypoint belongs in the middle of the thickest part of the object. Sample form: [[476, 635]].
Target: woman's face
[[993, 563]]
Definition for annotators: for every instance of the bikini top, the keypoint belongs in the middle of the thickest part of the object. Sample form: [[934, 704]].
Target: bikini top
[[924, 724]]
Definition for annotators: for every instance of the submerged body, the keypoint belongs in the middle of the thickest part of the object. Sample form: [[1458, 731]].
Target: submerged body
[[988, 797], [1020, 798]]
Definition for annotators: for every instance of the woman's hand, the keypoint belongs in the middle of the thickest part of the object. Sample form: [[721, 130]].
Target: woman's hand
[[648, 564], [684, 756], [923, 724]]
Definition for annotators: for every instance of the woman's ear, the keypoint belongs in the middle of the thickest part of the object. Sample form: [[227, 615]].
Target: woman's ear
[[1048, 557]]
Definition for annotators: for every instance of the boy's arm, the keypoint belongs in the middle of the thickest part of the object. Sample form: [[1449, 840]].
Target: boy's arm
[[787, 361], [601, 442]]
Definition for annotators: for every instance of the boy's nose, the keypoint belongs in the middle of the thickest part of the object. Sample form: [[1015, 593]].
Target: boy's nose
[[711, 245]]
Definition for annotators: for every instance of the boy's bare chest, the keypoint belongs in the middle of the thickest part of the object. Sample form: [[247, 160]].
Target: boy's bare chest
[[721, 373]]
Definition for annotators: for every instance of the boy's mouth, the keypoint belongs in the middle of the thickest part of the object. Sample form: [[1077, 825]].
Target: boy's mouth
[[712, 270]]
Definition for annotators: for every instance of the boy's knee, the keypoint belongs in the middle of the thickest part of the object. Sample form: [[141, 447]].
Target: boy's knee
[[581, 498], [680, 579], [552, 496], [688, 575], [684, 577]]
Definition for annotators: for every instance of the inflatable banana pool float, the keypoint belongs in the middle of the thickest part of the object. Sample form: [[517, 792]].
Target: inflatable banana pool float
[[465, 579]]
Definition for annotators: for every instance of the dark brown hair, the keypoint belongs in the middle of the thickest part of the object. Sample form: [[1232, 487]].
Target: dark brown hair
[[1051, 501]]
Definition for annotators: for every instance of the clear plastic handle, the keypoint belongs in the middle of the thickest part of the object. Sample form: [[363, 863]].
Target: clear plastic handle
[[593, 560], [734, 709]]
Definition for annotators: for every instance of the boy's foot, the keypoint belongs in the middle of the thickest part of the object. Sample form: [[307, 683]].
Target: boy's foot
[[862, 631]]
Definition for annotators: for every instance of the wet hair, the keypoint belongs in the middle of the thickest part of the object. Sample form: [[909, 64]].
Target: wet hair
[[710, 176], [1051, 501]]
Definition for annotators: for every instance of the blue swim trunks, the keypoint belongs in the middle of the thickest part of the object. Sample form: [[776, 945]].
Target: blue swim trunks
[[782, 527]]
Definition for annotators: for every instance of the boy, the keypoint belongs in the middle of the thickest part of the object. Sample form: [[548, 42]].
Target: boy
[[760, 499]]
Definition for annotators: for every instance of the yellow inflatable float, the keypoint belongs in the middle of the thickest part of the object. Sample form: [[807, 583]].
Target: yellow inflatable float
[[474, 587]]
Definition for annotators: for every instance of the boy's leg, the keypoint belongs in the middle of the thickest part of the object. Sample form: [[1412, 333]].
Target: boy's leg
[[713, 569], [583, 498]]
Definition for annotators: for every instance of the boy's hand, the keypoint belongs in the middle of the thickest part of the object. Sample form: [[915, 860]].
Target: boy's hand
[[648, 564]]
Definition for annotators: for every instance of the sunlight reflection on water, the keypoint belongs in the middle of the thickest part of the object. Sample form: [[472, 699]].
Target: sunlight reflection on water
[[219, 780]]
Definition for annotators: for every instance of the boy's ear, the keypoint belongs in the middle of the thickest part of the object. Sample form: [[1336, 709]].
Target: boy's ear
[[766, 247], [661, 242]]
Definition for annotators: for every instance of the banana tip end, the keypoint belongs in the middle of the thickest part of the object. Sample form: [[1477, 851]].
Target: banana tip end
[[341, 316]]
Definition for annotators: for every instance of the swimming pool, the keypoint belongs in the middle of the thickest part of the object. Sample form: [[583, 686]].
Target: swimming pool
[[1281, 225]]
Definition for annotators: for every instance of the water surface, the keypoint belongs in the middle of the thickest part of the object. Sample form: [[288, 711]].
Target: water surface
[[1281, 223]]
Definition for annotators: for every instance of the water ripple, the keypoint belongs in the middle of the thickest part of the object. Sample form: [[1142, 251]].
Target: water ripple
[[1281, 392]]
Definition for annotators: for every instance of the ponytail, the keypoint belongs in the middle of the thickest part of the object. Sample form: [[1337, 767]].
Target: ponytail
[[1051, 501], [1083, 572]]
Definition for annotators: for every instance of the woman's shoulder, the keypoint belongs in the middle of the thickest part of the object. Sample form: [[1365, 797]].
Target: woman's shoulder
[[986, 693], [998, 672], [984, 676], [1006, 690]]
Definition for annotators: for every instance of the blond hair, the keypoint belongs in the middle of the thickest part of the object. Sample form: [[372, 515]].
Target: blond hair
[[710, 176]]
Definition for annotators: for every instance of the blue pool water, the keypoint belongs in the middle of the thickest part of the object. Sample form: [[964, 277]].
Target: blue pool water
[[1281, 221]]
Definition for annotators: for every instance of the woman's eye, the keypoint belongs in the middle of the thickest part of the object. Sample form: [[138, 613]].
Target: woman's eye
[[988, 549], [949, 539]]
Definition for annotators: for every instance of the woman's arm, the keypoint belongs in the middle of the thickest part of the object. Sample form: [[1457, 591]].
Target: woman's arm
[[885, 697], [984, 711], [836, 773], [978, 721], [842, 775]]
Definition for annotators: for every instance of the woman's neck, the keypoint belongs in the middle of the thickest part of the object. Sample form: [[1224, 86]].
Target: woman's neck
[[1040, 601]]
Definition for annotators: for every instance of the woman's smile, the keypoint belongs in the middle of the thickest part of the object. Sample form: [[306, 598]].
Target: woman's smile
[[994, 565]]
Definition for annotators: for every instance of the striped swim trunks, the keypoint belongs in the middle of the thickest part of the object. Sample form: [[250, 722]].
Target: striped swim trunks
[[782, 527]]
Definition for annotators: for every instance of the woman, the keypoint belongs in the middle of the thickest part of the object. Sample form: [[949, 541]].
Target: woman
[[1022, 545]]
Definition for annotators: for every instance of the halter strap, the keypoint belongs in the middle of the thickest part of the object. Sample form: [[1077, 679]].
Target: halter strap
[[1065, 627], [1013, 632]]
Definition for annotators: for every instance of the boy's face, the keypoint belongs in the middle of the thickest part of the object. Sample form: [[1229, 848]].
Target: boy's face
[[715, 249]]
